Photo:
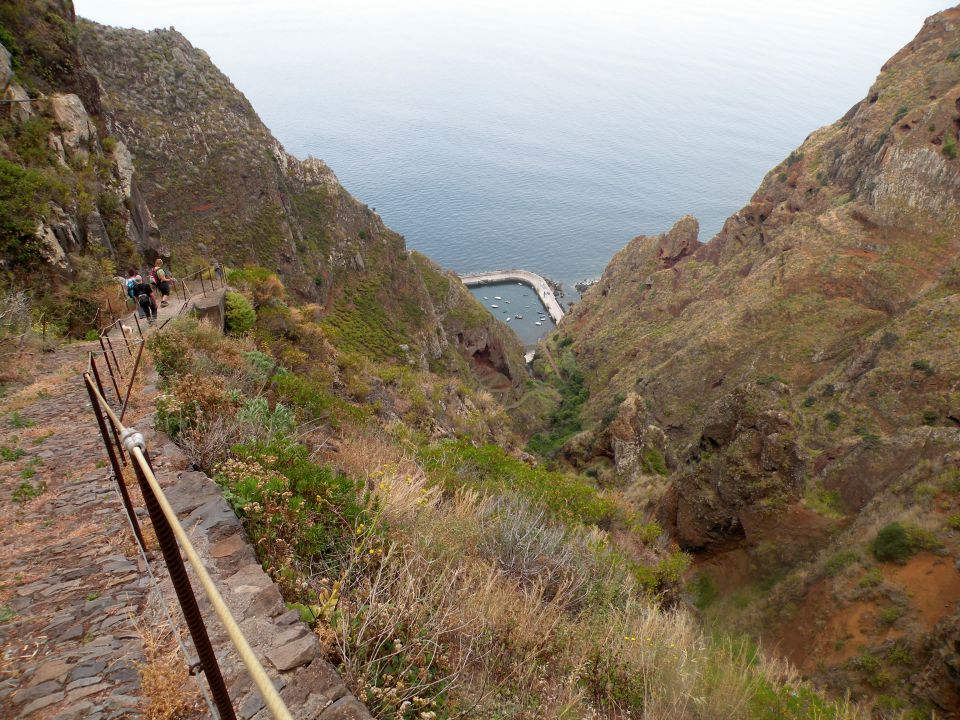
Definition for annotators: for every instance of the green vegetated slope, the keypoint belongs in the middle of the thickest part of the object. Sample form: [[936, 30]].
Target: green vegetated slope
[[798, 377], [446, 572]]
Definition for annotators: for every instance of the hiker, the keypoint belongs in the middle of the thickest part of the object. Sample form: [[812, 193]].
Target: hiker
[[144, 294], [161, 280], [130, 282]]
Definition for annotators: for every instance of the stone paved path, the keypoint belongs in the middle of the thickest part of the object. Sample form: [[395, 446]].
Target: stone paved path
[[76, 600], [73, 588], [72, 585]]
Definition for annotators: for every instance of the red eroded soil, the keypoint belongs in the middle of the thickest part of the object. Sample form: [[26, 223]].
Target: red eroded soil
[[933, 584], [826, 630]]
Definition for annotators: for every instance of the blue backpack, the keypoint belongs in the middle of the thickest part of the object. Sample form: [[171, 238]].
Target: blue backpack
[[131, 283]]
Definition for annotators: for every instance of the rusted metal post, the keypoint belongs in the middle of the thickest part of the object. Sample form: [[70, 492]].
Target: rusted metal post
[[123, 334], [116, 362], [203, 287], [106, 359], [136, 319], [133, 376], [188, 601], [114, 463], [103, 394]]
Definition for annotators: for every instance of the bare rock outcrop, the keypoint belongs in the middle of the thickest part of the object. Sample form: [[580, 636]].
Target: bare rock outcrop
[[680, 241], [747, 457]]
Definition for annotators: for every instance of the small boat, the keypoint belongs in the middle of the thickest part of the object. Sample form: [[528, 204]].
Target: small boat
[[538, 323], [494, 306], [496, 297], [519, 317], [486, 298], [507, 320], [507, 302]]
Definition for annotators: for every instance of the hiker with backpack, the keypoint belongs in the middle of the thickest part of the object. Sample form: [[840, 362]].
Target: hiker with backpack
[[161, 279], [143, 292], [130, 282]]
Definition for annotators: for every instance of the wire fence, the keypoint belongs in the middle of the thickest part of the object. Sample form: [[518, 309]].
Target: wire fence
[[126, 447]]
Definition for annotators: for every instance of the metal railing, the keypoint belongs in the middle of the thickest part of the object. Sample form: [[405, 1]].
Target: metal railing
[[127, 447]]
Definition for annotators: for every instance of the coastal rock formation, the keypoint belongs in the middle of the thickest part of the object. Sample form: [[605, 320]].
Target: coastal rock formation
[[802, 364], [679, 242]]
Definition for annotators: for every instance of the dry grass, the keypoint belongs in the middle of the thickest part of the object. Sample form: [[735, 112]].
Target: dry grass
[[497, 599], [167, 691]]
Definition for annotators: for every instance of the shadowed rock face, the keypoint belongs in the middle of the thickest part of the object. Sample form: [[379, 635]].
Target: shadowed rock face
[[747, 455]]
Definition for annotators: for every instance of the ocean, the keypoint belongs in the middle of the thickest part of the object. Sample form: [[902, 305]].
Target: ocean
[[542, 135]]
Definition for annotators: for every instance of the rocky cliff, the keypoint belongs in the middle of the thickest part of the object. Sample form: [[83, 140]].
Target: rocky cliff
[[800, 365], [223, 187], [120, 146]]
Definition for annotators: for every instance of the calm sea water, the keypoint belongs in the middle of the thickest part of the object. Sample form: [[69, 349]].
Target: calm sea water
[[542, 135], [517, 305]]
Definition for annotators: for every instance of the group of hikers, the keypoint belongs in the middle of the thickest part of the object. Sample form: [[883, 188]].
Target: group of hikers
[[143, 292]]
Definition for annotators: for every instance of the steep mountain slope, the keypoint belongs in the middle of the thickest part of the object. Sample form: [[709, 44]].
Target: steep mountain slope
[[76, 203], [798, 373], [224, 188]]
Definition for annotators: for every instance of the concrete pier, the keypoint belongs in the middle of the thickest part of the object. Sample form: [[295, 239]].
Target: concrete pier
[[537, 282]]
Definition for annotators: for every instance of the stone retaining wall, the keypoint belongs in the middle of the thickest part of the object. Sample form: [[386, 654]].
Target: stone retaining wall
[[285, 646]]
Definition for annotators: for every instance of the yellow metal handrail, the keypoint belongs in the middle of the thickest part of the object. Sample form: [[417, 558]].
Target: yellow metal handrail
[[134, 444]]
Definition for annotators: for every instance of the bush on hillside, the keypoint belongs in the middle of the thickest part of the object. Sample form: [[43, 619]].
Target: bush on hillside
[[892, 544], [239, 315], [897, 543]]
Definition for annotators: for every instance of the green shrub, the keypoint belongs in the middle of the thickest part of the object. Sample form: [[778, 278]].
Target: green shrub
[[239, 315], [13, 47], [249, 276], [953, 522], [261, 365], [897, 543], [872, 578], [28, 140], [170, 357], [923, 365], [11, 454], [833, 419], [930, 417], [317, 400], [19, 422], [838, 562], [900, 114], [950, 146], [290, 503], [653, 462], [703, 590], [27, 491], [890, 615], [489, 469], [257, 412], [565, 421], [22, 202], [892, 544]]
